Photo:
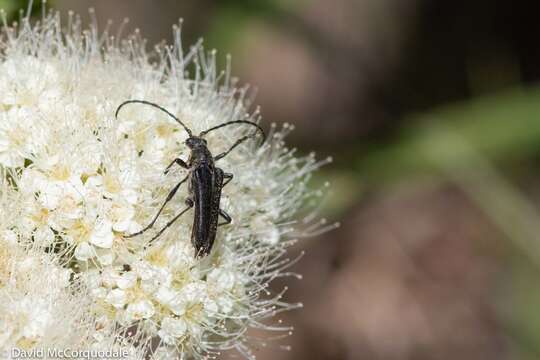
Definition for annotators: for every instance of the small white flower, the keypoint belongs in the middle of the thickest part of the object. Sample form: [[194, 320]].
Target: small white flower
[[102, 234], [142, 309], [171, 330], [15, 137], [126, 280], [104, 256], [165, 295], [84, 252], [117, 298]]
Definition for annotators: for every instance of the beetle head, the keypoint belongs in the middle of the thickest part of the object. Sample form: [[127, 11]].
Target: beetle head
[[195, 141]]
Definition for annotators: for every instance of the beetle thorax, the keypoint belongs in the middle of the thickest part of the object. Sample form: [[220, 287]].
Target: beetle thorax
[[200, 154]]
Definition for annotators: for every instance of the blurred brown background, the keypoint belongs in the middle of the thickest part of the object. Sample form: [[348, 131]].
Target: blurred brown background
[[431, 110]]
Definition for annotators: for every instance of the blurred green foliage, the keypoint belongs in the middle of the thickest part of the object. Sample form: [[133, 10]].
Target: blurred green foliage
[[10, 6], [13, 7], [503, 128], [235, 16]]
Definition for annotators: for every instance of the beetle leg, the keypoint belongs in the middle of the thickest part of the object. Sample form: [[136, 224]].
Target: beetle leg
[[238, 142], [226, 216], [178, 161], [227, 177], [169, 197], [169, 224]]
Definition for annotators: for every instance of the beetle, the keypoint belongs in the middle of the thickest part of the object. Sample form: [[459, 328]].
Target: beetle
[[205, 183]]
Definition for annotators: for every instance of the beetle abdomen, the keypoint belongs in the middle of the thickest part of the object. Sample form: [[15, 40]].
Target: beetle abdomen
[[206, 185]]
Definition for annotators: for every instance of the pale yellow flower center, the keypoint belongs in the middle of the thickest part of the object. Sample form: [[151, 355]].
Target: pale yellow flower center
[[164, 130], [180, 279], [41, 217], [80, 231], [111, 184], [60, 173], [17, 137]]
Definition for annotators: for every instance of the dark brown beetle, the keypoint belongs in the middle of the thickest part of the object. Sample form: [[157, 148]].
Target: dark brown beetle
[[205, 182]]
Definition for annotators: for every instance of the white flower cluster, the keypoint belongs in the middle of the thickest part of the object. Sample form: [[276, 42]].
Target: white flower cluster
[[75, 180], [29, 287], [45, 306]]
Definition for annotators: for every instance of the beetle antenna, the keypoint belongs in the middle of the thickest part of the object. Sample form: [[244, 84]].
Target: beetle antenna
[[157, 107], [236, 122]]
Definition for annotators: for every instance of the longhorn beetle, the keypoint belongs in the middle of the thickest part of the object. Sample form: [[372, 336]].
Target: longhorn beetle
[[205, 182]]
